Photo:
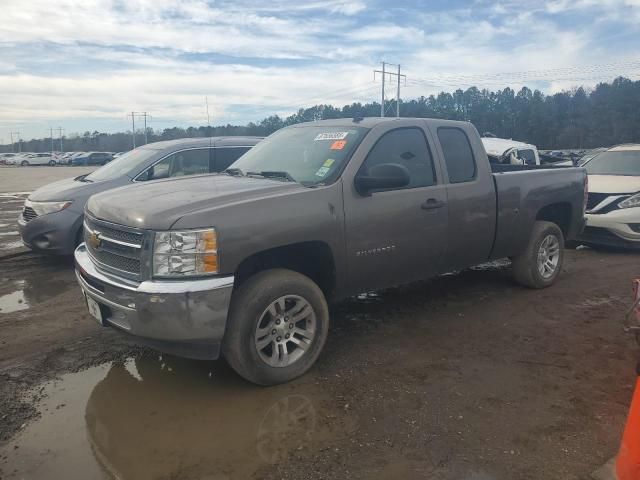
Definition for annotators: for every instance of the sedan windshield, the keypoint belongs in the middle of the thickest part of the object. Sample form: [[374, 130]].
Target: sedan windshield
[[309, 155], [620, 162], [124, 164]]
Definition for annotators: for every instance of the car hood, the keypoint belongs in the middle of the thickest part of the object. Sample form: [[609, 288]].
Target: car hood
[[614, 184], [67, 189], [158, 205]]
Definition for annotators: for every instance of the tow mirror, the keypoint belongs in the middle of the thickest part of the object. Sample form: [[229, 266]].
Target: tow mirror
[[383, 176]]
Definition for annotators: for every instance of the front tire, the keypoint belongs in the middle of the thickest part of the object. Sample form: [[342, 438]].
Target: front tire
[[277, 327], [541, 262], [52, 163], [24, 163]]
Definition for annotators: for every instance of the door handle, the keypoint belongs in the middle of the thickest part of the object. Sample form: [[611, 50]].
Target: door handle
[[432, 204]]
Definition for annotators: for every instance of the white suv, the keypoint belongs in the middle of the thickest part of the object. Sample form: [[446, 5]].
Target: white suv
[[613, 206]]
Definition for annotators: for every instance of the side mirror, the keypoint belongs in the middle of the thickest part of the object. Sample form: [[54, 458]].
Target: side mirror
[[383, 176]]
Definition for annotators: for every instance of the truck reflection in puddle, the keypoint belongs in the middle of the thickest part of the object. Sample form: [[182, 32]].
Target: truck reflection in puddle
[[173, 418]]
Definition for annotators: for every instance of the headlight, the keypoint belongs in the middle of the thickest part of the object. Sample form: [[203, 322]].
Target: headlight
[[632, 201], [185, 253], [43, 208]]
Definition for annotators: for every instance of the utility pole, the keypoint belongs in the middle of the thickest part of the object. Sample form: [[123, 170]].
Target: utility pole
[[384, 73], [18, 137], [60, 130], [51, 137], [133, 116], [145, 115], [133, 128], [206, 101]]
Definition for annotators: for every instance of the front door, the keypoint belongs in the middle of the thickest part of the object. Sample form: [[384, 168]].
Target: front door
[[397, 235]]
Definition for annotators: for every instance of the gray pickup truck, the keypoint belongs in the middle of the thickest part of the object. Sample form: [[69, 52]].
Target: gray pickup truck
[[244, 263]]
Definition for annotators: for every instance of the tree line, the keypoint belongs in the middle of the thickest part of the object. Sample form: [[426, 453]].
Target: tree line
[[606, 115]]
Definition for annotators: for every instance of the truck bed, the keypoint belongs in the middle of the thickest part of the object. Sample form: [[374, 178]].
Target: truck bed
[[522, 191]]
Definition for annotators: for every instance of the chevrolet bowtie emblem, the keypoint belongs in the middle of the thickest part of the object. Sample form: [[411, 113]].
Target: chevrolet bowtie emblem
[[94, 240]]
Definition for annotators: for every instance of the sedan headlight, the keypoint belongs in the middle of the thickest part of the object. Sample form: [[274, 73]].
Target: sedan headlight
[[43, 208], [632, 201], [185, 253]]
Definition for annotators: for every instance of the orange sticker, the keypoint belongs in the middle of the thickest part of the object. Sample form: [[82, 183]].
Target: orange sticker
[[338, 144]]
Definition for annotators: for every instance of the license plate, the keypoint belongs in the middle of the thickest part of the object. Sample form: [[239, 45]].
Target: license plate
[[94, 309]]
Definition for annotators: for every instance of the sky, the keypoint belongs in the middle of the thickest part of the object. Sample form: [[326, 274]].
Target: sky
[[85, 64]]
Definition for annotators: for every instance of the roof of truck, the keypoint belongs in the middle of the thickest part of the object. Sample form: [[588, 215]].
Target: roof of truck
[[370, 122]]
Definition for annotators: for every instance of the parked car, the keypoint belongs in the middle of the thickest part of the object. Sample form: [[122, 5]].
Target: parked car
[[51, 220], [92, 158], [245, 264], [613, 207], [7, 158], [502, 150], [35, 159]]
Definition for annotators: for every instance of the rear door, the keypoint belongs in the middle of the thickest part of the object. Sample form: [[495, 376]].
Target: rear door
[[397, 235], [471, 196]]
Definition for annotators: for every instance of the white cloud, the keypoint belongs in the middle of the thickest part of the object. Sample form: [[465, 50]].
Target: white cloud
[[98, 59]]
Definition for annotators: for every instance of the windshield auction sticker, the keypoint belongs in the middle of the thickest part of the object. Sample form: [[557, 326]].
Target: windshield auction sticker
[[331, 136], [338, 145]]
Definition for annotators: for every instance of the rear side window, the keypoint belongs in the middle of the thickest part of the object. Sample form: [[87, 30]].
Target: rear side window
[[457, 154], [407, 147], [225, 156]]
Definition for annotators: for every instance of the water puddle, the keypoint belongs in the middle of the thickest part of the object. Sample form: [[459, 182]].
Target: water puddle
[[34, 290], [14, 301], [11, 245], [169, 418]]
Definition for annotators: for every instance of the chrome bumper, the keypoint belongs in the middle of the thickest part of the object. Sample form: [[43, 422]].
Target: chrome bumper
[[183, 317]]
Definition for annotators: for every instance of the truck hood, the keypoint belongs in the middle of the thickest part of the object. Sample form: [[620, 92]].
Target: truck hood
[[614, 184], [158, 205]]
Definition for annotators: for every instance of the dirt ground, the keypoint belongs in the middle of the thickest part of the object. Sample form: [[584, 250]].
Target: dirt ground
[[465, 377]]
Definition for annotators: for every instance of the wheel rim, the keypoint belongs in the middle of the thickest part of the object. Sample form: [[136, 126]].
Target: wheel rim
[[286, 330], [548, 256]]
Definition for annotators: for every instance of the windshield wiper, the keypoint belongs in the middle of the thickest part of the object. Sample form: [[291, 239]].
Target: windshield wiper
[[234, 172], [83, 178], [274, 174]]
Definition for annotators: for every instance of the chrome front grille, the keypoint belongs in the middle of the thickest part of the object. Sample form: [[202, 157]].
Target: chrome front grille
[[28, 214], [115, 248]]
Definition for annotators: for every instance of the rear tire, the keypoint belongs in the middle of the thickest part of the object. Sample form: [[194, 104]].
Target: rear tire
[[24, 163], [541, 262], [52, 163], [266, 298]]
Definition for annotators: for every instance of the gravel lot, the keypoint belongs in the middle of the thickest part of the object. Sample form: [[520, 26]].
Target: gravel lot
[[467, 376]]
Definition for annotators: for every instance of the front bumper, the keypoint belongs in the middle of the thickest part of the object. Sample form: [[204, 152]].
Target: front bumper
[[613, 229], [52, 233], [182, 317]]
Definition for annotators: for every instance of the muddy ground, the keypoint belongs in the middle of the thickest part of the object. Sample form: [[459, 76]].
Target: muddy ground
[[467, 376]]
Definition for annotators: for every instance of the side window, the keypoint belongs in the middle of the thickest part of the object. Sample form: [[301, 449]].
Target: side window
[[457, 154], [225, 156], [188, 162], [407, 147], [528, 156]]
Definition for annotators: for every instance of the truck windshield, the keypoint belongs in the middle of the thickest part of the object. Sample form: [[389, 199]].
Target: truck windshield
[[122, 165], [310, 155], [625, 162]]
